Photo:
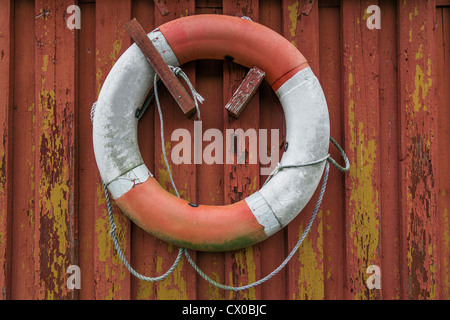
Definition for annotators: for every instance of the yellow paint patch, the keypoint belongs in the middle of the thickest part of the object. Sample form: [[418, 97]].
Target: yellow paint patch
[[364, 224], [114, 271], [117, 47], [145, 290], [419, 54], [212, 292], [54, 193], [310, 282], [186, 13], [174, 286], [247, 273], [422, 85]]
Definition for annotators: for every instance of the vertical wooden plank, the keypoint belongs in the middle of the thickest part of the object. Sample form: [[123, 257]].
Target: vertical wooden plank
[[210, 177], [23, 224], [273, 250], [181, 284], [142, 244], [6, 95], [55, 214], [418, 149], [360, 60], [241, 266], [443, 60], [88, 171], [389, 222], [333, 202], [112, 279], [305, 273]]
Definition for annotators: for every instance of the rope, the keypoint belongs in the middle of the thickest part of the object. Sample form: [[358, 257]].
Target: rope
[[283, 264], [343, 155], [197, 98]]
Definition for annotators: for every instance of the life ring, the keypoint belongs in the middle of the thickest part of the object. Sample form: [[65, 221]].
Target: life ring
[[204, 227]]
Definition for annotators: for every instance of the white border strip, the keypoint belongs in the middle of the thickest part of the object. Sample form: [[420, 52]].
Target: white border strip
[[262, 212]]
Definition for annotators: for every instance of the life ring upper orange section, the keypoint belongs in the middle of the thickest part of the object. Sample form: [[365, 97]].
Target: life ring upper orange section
[[239, 40]]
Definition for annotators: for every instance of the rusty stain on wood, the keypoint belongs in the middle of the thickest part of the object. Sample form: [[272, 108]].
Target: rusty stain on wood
[[6, 72], [245, 92]]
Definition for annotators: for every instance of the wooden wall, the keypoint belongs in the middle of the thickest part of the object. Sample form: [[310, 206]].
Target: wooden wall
[[388, 93]]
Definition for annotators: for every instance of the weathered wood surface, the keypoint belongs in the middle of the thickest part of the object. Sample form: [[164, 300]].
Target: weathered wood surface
[[388, 97], [245, 92]]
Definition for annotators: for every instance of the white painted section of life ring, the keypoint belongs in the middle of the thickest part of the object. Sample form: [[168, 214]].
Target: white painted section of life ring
[[307, 131], [115, 140]]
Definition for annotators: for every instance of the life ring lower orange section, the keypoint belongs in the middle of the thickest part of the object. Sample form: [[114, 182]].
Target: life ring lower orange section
[[206, 228]]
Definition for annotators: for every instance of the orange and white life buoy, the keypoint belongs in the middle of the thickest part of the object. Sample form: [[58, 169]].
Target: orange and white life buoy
[[212, 228]]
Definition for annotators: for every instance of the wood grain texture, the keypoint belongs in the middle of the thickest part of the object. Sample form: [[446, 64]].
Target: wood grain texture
[[245, 92], [182, 283], [23, 224], [87, 168], [112, 279], [6, 95], [389, 197], [241, 266]]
